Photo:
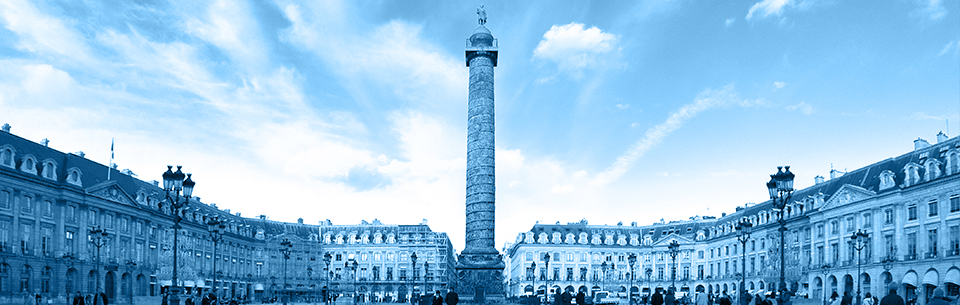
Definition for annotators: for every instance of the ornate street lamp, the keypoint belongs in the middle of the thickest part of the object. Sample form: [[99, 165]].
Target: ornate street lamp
[[285, 248], [649, 272], [216, 229], [326, 261], [780, 188], [860, 241], [98, 237], [173, 184], [674, 248], [603, 281], [632, 259], [533, 266], [413, 264], [743, 229], [352, 265], [546, 269], [825, 269]]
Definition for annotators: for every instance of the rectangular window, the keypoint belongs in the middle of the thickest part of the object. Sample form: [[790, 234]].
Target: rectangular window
[[867, 220], [27, 205], [954, 203], [45, 239], [820, 255], [5, 236], [932, 208], [932, 243], [851, 225], [68, 242], [47, 209], [108, 221], [954, 240], [583, 257], [26, 231], [912, 244], [123, 225], [700, 254], [888, 216], [4, 200], [912, 212], [93, 218], [890, 246], [569, 256], [71, 214], [820, 231], [529, 256]]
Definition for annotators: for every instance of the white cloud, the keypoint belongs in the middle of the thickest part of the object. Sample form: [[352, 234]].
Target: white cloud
[[803, 107], [707, 99], [779, 85], [574, 48], [948, 47], [43, 34], [623, 106], [729, 22], [766, 8], [931, 9]]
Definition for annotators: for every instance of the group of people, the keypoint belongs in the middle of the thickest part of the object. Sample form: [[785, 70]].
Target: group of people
[[451, 299], [938, 298], [566, 297], [91, 299], [207, 299]]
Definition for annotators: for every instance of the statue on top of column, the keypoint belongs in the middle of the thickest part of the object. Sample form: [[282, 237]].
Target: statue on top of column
[[482, 14]]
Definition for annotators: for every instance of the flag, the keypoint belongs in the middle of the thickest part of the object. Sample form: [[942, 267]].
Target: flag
[[110, 167]]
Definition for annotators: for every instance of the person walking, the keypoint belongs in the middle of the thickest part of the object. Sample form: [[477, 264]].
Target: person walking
[[437, 298], [452, 297], [581, 298], [868, 300], [566, 297], [701, 298], [670, 298], [725, 299], [78, 299], [938, 298], [657, 298]]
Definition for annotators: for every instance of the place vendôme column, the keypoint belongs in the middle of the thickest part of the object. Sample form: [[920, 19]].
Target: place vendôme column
[[480, 265]]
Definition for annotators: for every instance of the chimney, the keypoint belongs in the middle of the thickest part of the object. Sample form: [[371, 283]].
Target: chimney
[[227, 211], [834, 173], [154, 182], [214, 205], [238, 214], [300, 220], [6, 128], [817, 180], [723, 214], [263, 217], [45, 142], [80, 153], [424, 222], [920, 143], [633, 224], [942, 137]]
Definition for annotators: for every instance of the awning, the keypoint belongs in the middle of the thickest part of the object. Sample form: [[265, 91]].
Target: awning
[[201, 284], [953, 276], [910, 279], [165, 282], [258, 287], [931, 278], [187, 283]]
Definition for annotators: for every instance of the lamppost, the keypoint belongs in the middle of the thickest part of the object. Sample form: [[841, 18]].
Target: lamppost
[[173, 183], [603, 281], [352, 265], [632, 259], [825, 269], [533, 266], [743, 228], [860, 241], [285, 248], [649, 273], [413, 264], [216, 229], [674, 248], [780, 188], [426, 271], [98, 237], [326, 261], [546, 269]]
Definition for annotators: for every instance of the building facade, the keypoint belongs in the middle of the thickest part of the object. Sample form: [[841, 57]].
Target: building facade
[[50, 201], [908, 205]]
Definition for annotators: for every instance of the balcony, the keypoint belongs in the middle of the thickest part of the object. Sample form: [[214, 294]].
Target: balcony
[[953, 252], [930, 254], [910, 257]]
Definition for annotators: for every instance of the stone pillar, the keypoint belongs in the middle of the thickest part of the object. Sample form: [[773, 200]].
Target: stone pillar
[[480, 266]]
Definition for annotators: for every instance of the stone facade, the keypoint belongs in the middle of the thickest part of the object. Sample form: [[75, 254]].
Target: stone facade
[[909, 205]]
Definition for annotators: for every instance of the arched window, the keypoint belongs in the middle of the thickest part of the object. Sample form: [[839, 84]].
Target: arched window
[[49, 169], [886, 179], [953, 162], [28, 164], [932, 170], [911, 174], [6, 156]]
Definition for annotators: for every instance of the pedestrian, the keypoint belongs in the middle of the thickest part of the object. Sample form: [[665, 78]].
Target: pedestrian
[[657, 298], [103, 297], [581, 298], [725, 299], [78, 299], [437, 298], [566, 298], [670, 298], [701, 298], [938, 298], [868, 299], [452, 297]]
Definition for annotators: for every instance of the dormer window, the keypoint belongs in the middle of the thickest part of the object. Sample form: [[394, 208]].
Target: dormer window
[[49, 169], [542, 238], [6, 156], [953, 162], [556, 237], [911, 174], [571, 239], [932, 169], [583, 238], [886, 179], [28, 165], [73, 177]]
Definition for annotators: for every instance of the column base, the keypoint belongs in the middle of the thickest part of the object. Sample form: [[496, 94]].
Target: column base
[[480, 279]]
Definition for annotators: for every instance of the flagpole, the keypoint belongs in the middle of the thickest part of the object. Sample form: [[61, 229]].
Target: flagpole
[[110, 167]]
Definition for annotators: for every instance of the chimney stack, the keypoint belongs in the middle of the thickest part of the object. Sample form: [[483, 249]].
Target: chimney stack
[[818, 179], [45, 142], [300, 220], [6, 128], [80, 153], [942, 137], [920, 143]]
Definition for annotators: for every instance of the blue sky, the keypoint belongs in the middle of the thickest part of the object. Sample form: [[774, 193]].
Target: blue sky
[[608, 111]]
